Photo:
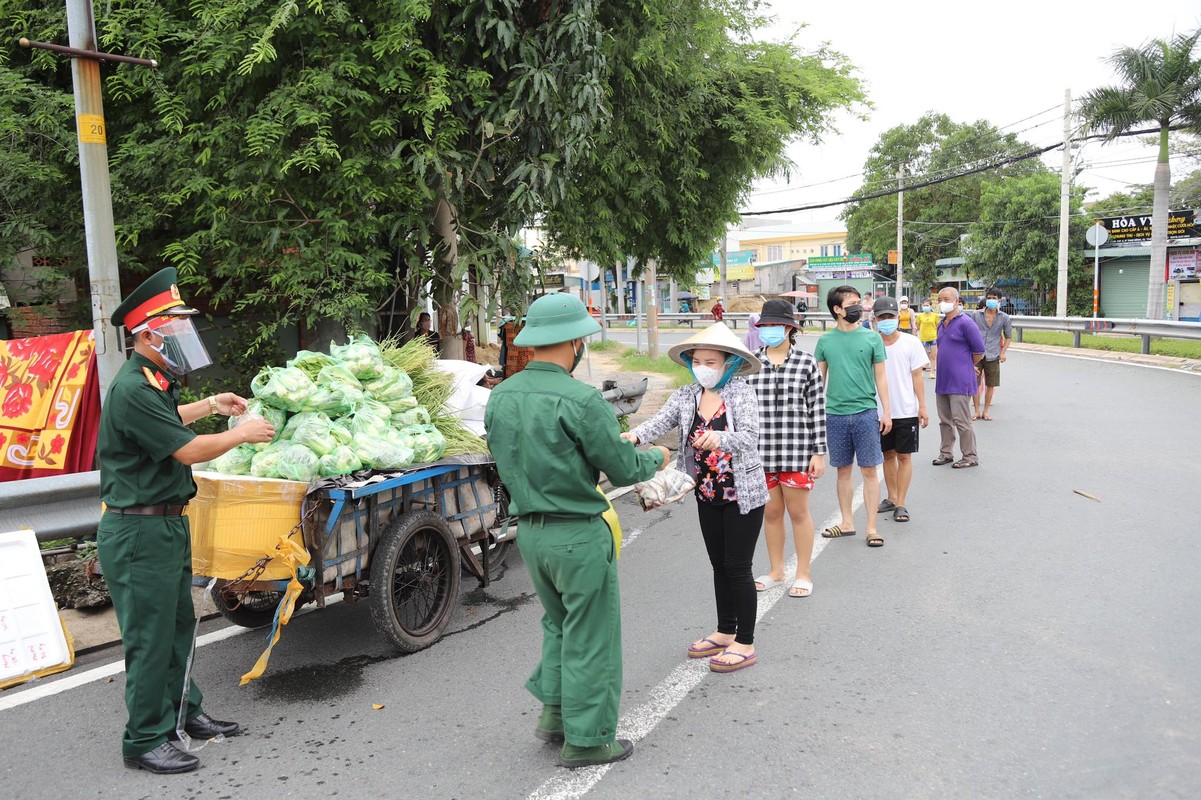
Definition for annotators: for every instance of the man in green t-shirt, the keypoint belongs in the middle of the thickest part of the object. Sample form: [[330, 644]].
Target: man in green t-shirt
[[851, 359]]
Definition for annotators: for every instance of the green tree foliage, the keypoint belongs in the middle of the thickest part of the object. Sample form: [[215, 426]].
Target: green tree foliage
[[1140, 198], [935, 216], [1159, 83], [698, 111], [1016, 237]]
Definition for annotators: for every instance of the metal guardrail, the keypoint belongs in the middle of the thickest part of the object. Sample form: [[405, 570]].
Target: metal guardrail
[[59, 507], [731, 318], [1145, 329]]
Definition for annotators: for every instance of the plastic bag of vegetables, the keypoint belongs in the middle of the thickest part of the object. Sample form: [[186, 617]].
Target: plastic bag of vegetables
[[414, 416], [287, 387], [342, 461], [336, 399], [361, 356], [381, 452], [341, 433], [311, 363], [375, 407], [427, 442], [297, 463], [265, 464], [296, 420], [392, 386], [365, 424], [316, 433], [338, 374], [235, 461]]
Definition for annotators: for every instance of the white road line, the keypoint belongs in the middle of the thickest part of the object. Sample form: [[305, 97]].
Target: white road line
[[1177, 370], [117, 667], [636, 723]]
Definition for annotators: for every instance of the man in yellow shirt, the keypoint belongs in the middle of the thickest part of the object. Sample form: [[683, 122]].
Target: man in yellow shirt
[[927, 332]]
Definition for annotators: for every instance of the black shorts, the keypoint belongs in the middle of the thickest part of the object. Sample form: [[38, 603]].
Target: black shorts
[[902, 437]]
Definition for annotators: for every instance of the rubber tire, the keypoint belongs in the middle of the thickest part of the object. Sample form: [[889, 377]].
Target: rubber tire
[[256, 610], [496, 559], [423, 539]]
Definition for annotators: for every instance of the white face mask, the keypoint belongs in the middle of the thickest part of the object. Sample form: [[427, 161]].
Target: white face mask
[[947, 308], [707, 376]]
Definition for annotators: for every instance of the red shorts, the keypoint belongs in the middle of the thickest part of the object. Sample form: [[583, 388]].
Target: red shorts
[[793, 480]]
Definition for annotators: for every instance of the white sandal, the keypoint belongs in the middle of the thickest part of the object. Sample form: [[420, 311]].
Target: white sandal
[[800, 584], [765, 582]]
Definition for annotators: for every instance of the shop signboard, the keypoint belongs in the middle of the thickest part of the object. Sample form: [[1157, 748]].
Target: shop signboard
[[1137, 227], [1183, 265]]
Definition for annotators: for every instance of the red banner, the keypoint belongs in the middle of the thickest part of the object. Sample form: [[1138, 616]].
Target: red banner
[[49, 405]]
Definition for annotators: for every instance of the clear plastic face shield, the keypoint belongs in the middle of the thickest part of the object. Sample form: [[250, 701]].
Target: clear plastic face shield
[[178, 342]]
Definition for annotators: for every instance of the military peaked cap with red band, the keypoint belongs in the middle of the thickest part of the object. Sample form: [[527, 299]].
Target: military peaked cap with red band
[[158, 296]]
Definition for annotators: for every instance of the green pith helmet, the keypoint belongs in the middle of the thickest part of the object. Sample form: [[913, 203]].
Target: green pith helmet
[[556, 318], [157, 296]]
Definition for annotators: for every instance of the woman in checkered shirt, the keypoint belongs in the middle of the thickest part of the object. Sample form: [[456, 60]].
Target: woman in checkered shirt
[[792, 441]]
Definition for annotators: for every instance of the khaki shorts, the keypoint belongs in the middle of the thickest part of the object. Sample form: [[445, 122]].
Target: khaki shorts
[[992, 372]]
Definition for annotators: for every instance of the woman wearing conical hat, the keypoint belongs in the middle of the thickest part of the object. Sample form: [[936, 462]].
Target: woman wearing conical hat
[[718, 420]]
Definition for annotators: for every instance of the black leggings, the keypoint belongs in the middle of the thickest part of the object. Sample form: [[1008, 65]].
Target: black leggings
[[730, 538]]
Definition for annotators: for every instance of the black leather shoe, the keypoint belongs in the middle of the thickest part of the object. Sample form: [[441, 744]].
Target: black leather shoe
[[203, 726], [166, 759]]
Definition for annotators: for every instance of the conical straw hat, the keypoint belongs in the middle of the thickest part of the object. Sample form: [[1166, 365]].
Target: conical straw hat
[[716, 337]]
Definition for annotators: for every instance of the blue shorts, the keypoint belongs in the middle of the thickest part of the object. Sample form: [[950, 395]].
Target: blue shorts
[[851, 435]]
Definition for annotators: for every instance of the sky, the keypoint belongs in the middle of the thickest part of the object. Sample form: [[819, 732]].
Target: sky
[[1007, 63]]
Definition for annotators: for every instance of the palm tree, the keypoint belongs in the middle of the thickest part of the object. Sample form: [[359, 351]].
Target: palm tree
[[1160, 84]]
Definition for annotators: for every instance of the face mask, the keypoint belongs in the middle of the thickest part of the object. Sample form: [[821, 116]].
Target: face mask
[[853, 313], [712, 378], [579, 355], [926, 309], [887, 326], [993, 304], [904, 305], [946, 308], [772, 335]]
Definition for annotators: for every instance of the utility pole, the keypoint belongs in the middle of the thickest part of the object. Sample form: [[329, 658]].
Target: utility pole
[[1065, 204], [722, 266], [99, 233], [652, 312], [900, 228]]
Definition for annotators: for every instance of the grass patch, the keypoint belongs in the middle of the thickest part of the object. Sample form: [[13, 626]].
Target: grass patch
[[608, 346], [1119, 344], [640, 362]]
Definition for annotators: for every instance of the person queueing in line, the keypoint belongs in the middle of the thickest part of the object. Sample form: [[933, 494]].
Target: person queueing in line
[[792, 441], [551, 437], [145, 451], [718, 420]]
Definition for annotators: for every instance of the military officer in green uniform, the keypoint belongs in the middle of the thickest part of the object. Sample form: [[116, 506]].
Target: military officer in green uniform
[[145, 452], [551, 437]]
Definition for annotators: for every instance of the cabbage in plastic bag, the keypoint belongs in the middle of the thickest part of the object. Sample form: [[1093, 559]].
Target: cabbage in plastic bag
[[287, 388], [342, 461], [390, 387], [340, 430], [334, 399], [235, 461], [361, 356], [381, 452], [316, 433], [311, 363], [427, 442], [364, 423], [375, 407], [265, 464], [415, 416], [338, 375], [295, 421], [298, 463]]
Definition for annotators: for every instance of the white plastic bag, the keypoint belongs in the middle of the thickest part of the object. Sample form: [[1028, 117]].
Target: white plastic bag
[[667, 486]]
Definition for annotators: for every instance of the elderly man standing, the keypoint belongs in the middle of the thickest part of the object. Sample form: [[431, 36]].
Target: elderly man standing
[[997, 331], [552, 436], [960, 348]]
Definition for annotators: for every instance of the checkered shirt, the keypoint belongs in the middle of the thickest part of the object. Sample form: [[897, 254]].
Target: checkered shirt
[[792, 411]]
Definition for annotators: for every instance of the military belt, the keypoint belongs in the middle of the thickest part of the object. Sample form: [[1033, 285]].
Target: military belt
[[160, 510], [541, 520]]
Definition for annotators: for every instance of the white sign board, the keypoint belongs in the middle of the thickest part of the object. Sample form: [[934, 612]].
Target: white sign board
[[31, 634]]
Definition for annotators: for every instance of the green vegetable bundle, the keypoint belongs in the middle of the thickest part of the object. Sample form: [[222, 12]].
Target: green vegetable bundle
[[382, 452], [311, 363], [427, 442], [297, 463], [236, 461], [416, 416], [288, 388], [343, 461], [317, 435], [361, 356]]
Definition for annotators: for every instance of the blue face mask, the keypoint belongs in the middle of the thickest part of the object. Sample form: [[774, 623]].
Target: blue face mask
[[887, 326], [772, 335], [993, 304]]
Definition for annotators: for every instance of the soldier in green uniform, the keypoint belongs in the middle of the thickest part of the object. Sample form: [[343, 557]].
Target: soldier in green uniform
[[551, 437], [145, 452]]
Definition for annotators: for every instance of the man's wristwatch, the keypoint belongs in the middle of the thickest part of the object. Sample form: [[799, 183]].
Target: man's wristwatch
[[213, 405]]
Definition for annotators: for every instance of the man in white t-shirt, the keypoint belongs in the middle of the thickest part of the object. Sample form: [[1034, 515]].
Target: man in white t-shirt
[[906, 357]]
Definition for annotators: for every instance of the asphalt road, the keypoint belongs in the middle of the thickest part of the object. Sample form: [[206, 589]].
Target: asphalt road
[[1014, 640]]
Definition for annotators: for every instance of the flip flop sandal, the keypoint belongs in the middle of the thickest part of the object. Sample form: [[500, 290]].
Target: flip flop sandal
[[767, 582], [706, 652], [834, 532], [875, 540], [800, 585], [747, 661], [885, 506], [938, 462], [962, 464], [901, 514]]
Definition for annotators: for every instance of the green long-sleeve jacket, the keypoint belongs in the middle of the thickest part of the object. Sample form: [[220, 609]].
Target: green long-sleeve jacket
[[552, 436]]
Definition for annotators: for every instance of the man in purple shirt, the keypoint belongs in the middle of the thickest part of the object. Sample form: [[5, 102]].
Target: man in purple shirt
[[960, 348]]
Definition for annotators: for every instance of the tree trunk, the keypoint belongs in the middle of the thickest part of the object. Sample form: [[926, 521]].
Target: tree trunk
[[1159, 231], [446, 293]]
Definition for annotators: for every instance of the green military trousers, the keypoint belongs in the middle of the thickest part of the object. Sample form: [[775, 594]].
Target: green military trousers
[[147, 563], [574, 570]]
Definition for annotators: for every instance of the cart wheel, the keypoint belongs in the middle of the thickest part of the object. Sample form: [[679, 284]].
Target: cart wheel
[[248, 609], [497, 552], [414, 580]]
